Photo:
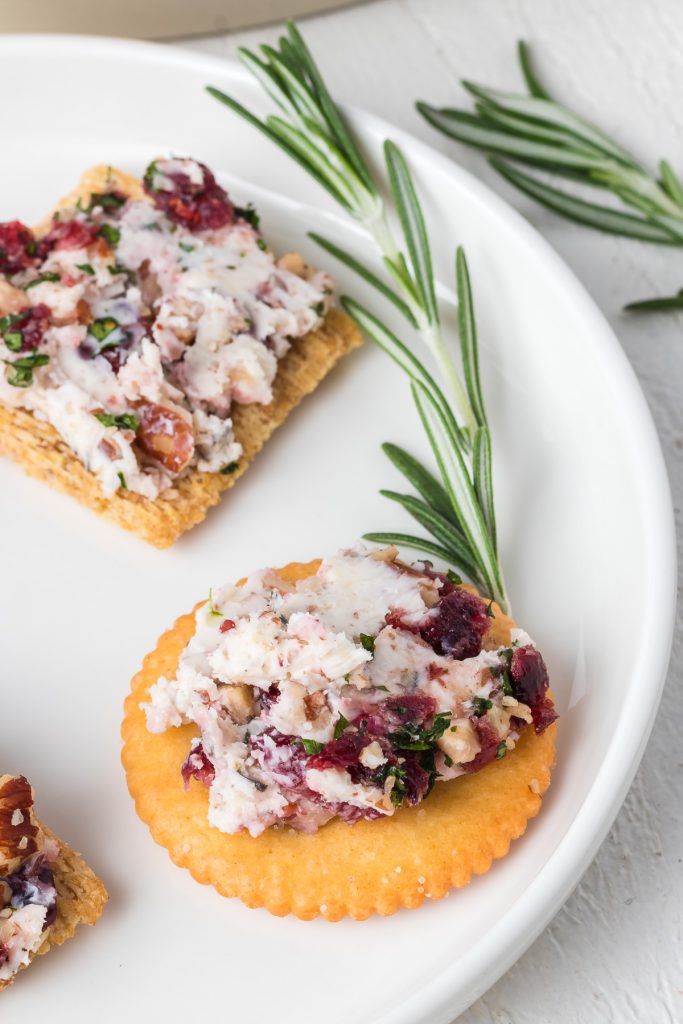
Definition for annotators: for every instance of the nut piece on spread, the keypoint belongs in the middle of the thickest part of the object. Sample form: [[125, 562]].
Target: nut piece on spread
[[20, 836]]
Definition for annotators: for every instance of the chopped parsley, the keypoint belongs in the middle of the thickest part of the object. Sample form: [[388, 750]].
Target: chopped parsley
[[106, 200], [100, 330], [250, 214], [110, 234], [505, 677], [126, 421], [319, 308], [448, 761], [261, 244], [340, 725], [186, 247], [49, 275], [214, 611], [398, 790], [122, 481], [454, 578], [411, 736], [13, 339], [367, 642], [230, 468], [311, 746], [480, 706], [87, 268], [20, 374], [501, 751]]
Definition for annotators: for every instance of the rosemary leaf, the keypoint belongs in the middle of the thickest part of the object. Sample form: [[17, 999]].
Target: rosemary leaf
[[422, 480], [359, 268], [657, 305], [468, 338], [406, 540], [581, 211], [441, 529], [414, 230]]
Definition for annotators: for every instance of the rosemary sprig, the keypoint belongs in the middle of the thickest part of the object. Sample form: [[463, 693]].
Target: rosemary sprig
[[536, 131], [458, 509], [313, 132]]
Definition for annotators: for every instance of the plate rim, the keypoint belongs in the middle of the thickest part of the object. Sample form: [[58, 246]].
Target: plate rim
[[513, 933]]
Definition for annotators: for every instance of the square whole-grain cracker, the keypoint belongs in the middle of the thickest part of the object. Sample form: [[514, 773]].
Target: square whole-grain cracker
[[81, 896], [38, 448]]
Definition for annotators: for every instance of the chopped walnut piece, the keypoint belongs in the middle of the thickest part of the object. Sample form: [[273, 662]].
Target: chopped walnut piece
[[20, 836]]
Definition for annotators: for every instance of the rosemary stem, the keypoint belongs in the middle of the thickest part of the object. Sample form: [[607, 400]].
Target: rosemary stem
[[384, 239], [437, 346]]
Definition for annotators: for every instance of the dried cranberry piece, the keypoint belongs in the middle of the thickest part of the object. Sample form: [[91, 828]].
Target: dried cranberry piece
[[196, 206], [197, 765], [270, 696], [67, 234], [283, 757], [489, 741], [342, 752], [459, 626], [529, 677], [18, 248], [34, 884], [4, 953], [226, 625], [417, 708], [31, 325], [416, 780]]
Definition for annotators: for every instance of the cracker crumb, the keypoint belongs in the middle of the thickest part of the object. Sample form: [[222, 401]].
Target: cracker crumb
[[535, 786], [323, 908], [421, 879], [397, 869]]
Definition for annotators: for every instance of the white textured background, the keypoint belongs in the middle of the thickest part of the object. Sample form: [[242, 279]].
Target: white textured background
[[614, 953]]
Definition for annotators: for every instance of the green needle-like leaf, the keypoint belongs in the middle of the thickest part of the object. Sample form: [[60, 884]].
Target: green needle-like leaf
[[406, 540], [414, 230], [593, 215], [359, 268], [468, 338], [532, 83], [422, 480], [665, 304], [483, 481], [438, 526]]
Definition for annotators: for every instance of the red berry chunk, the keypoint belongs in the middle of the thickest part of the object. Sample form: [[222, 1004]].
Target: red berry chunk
[[68, 234], [197, 206], [529, 678], [18, 248], [197, 765], [25, 331]]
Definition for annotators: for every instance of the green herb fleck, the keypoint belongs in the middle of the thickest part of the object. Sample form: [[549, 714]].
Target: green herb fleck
[[448, 761], [126, 421], [101, 329], [311, 746], [340, 725], [106, 200], [87, 268], [212, 609], [49, 275], [319, 308], [411, 736], [186, 247], [480, 706], [367, 642], [20, 374], [454, 578], [490, 612], [248, 213], [110, 234], [230, 468], [501, 751], [122, 481], [261, 244]]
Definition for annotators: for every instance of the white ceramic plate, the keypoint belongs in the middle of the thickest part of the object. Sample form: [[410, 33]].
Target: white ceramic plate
[[587, 541]]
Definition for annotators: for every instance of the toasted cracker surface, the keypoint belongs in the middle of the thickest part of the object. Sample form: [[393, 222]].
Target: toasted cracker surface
[[370, 867], [81, 897], [42, 453]]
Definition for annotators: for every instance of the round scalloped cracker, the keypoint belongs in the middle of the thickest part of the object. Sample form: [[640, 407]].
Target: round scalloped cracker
[[373, 866]]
